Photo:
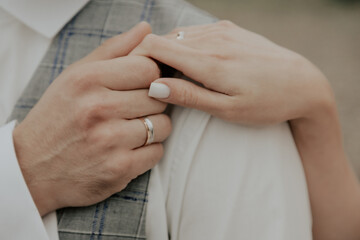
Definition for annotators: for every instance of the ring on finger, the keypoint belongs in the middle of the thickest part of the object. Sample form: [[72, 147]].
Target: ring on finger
[[180, 35], [149, 131]]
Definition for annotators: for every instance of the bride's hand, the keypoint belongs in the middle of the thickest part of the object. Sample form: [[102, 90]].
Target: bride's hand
[[246, 78]]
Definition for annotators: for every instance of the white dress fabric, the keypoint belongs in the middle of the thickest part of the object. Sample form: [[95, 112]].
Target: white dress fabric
[[221, 180], [217, 180]]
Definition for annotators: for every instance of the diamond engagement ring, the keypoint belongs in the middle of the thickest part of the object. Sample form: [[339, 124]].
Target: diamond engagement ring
[[180, 35]]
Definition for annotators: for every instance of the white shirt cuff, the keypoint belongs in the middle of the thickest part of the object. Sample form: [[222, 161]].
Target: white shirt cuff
[[19, 218]]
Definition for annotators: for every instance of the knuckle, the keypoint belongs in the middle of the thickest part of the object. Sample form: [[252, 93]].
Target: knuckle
[[109, 42], [215, 35], [226, 36], [188, 97], [108, 47], [217, 66], [120, 169], [131, 169], [149, 41], [155, 153], [226, 23], [83, 79], [101, 138], [124, 167], [151, 69], [231, 111], [143, 68], [90, 114], [95, 110]]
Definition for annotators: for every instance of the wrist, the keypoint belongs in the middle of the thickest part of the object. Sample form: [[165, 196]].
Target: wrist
[[45, 201], [317, 98], [318, 122], [318, 134], [40, 188]]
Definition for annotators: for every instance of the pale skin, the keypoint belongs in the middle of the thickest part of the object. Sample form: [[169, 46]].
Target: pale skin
[[248, 79], [83, 141]]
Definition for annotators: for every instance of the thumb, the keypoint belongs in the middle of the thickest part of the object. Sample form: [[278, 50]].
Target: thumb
[[120, 45], [184, 93]]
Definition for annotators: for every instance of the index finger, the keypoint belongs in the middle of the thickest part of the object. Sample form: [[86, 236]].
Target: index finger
[[126, 73], [119, 45], [185, 59]]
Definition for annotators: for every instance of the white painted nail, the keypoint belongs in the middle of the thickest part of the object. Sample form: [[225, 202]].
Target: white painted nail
[[159, 90]]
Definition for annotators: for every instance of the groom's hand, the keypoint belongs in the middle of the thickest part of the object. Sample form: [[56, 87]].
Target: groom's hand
[[82, 141]]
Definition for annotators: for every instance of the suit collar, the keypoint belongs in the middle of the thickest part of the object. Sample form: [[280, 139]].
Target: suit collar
[[47, 17]]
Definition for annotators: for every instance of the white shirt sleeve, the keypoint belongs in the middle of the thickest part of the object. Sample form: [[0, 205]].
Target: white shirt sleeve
[[19, 218]]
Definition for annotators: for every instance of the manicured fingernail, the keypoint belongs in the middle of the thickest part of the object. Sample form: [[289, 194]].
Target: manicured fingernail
[[159, 90]]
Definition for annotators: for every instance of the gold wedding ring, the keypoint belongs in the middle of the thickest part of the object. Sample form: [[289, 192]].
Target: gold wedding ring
[[149, 131]]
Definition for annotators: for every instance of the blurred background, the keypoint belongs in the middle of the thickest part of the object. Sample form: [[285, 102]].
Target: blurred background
[[325, 31]]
